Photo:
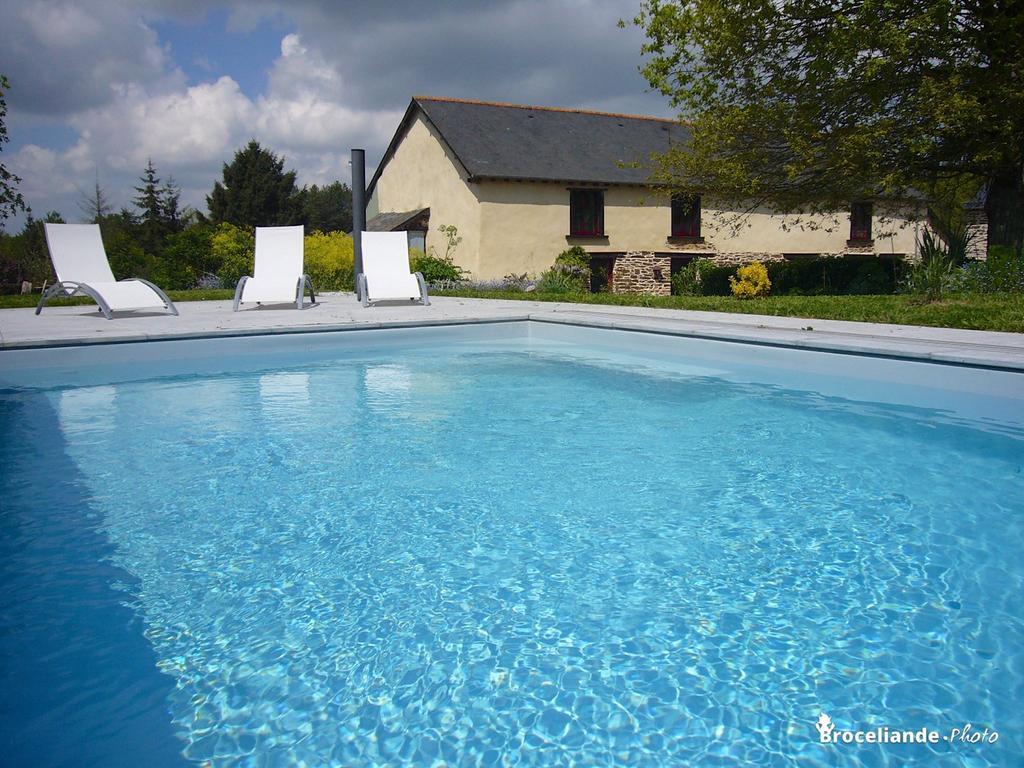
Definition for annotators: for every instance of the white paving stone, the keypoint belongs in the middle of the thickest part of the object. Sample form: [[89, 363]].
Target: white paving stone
[[65, 326]]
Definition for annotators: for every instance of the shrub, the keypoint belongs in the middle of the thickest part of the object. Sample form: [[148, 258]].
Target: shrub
[[714, 279], [701, 277], [557, 281], [440, 269], [834, 275], [1003, 272], [232, 247], [686, 282], [752, 281], [189, 257], [329, 261], [129, 259], [1005, 267], [869, 279], [436, 269], [569, 274]]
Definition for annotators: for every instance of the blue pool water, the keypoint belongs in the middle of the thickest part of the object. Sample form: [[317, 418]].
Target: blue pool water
[[501, 556]]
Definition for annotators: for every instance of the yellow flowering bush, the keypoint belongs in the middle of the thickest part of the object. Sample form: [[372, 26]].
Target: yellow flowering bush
[[329, 259], [232, 248], [753, 281]]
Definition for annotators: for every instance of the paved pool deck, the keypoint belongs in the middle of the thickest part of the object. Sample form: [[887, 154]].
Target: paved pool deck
[[72, 326]]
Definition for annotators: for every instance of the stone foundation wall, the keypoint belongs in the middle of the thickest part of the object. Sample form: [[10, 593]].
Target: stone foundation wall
[[976, 223], [739, 259], [640, 272]]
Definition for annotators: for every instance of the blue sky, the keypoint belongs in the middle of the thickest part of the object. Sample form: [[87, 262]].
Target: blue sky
[[213, 46], [98, 88]]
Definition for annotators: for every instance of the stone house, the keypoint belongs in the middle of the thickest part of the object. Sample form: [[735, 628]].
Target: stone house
[[523, 183]]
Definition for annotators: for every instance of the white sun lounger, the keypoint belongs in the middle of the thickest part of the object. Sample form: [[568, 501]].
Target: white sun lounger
[[277, 274], [81, 264], [386, 275]]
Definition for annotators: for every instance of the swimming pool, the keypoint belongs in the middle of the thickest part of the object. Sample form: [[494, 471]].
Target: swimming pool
[[512, 544]]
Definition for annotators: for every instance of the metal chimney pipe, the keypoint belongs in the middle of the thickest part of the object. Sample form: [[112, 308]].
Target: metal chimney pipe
[[358, 211]]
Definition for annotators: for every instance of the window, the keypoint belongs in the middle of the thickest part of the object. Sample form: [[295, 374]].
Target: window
[[860, 221], [586, 213], [686, 216]]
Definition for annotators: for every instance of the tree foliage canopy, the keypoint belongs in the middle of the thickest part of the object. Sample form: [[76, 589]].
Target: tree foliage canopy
[[256, 191], [11, 200], [154, 238], [810, 104], [327, 208]]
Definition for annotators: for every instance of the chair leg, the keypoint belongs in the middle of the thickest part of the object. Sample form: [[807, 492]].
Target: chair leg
[[48, 294], [424, 298], [238, 292], [362, 292]]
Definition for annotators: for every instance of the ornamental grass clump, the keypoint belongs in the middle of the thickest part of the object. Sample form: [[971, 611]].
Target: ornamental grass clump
[[752, 281], [933, 273]]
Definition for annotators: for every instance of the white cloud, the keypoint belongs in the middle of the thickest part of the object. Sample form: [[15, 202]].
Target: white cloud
[[190, 131], [305, 105], [61, 57], [342, 79], [189, 127]]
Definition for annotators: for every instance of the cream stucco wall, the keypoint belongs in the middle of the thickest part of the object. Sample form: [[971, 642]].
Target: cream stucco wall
[[524, 226], [423, 173], [517, 227], [729, 230]]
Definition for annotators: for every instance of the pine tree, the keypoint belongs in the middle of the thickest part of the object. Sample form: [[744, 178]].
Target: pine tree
[[256, 191], [170, 196], [150, 202], [94, 204]]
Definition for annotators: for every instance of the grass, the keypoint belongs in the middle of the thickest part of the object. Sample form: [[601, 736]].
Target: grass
[[978, 311], [30, 300]]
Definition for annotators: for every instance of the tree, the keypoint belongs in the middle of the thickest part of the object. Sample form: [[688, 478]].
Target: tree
[[128, 256], [256, 191], [24, 256], [150, 201], [11, 200], [94, 205], [327, 208], [811, 104], [189, 258], [170, 199], [233, 248]]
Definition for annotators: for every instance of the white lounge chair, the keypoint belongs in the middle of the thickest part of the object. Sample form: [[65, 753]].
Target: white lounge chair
[[386, 275], [81, 264], [277, 274]]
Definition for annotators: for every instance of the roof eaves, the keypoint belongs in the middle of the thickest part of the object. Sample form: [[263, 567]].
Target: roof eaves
[[541, 180], [426, 115], [569, 110], [403, 125]]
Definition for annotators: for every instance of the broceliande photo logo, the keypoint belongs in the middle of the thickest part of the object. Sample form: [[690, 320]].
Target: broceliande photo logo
[[966, 734]]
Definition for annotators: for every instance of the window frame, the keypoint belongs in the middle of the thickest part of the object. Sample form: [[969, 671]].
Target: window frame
[[682, 216], [594, 198]]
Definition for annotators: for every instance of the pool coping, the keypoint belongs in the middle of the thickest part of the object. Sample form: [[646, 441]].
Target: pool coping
[[984, 349]]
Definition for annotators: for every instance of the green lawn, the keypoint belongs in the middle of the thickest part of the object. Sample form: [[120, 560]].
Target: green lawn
[[986, 311]]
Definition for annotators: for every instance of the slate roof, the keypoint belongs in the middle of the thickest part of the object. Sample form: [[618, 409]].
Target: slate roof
[[394, 221], [515, 142]]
